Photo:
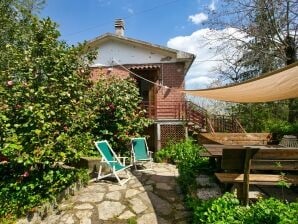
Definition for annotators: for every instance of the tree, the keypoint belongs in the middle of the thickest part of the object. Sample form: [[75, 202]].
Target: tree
[[268, 39], [32, 6], [40, 85], [50, 110], [48, 103], [270, 25], [111, 111]]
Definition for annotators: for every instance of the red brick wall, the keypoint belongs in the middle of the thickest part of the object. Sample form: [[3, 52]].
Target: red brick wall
[[168, 101], [96, 72]]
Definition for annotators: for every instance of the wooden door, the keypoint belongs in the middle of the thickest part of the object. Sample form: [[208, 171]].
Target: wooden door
[[152, 100]]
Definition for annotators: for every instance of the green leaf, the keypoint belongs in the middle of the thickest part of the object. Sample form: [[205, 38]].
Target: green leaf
[[20, 160], [37, 131]]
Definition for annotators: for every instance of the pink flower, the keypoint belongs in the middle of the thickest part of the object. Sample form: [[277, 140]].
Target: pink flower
[[18, 106], [111, 106], [26, 174], [10, 83]]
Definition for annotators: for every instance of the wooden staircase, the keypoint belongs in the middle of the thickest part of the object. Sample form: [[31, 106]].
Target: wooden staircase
[[198, 120], [222, 123], [218, 129], [194, 116]]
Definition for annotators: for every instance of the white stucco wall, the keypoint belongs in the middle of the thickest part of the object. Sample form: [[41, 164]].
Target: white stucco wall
[[127, 54]]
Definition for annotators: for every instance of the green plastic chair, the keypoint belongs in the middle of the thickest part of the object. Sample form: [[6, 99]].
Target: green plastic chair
[[140, 153], [110, 158]]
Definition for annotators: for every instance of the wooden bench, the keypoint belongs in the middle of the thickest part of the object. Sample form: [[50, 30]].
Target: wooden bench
[[240, 166]]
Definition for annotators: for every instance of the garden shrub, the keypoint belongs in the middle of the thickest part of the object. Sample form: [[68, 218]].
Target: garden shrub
[[272, 211], [178, 151], [167, 154], [20, 194], [39, 92], [41, 81], [112, 112], [279, 128], [186, 155], [227, 209], [51, 111]]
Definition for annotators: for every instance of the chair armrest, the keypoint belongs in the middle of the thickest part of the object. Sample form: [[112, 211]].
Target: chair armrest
[[114, 161]]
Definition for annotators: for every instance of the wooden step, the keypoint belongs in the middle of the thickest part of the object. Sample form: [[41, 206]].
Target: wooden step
[[261, 179], [205, 154], [255, 194]]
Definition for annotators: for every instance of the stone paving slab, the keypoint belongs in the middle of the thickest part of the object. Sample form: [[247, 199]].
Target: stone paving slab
[[149, 197]]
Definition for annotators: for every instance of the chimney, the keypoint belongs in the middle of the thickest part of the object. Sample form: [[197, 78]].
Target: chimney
[[119, 27]]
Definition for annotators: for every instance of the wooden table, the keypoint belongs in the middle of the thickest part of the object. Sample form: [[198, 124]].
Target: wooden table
[[215, 150]]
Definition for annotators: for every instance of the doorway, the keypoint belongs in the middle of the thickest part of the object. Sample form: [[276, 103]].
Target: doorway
[[147, 89]]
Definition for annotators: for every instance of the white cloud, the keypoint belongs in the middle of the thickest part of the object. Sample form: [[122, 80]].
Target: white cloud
[[199, 82], [212, 5], [198, 18], [204, 44], [104, 3], [130, 10]]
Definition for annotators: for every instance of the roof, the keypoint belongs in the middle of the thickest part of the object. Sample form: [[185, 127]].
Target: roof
[[277, 85], [142, 67], [181, 56]]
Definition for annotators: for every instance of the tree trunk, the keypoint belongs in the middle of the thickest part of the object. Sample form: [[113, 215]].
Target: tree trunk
[[291, 54]]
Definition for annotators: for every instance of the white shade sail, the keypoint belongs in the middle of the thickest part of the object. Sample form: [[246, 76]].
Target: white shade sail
[[278, 85]]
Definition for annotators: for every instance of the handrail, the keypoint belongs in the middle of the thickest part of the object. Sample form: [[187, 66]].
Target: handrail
[[178, 110], [197, 115], [240, 126], [210, 126], [223, 123], [193, 115]]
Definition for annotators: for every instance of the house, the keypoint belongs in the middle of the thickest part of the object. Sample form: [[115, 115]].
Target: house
[[160, 66]]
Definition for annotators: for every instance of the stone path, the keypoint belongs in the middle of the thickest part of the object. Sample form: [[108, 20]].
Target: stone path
[[207, 187], [149, 197]]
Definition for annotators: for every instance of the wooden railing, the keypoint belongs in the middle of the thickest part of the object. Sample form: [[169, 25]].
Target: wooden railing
[[221, 123], [165, 110], [196, 116], [176, 110], [193, 115]]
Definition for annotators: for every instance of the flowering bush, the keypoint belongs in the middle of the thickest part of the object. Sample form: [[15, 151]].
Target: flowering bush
[[39, 92], [112, 112], [50, 111], [40, 85]]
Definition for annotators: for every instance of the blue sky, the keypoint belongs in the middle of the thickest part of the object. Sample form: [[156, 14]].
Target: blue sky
[[174, 23], [155, 21]]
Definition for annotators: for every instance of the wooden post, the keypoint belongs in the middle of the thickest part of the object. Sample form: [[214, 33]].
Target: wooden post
[[158, 137], [245, 188]]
